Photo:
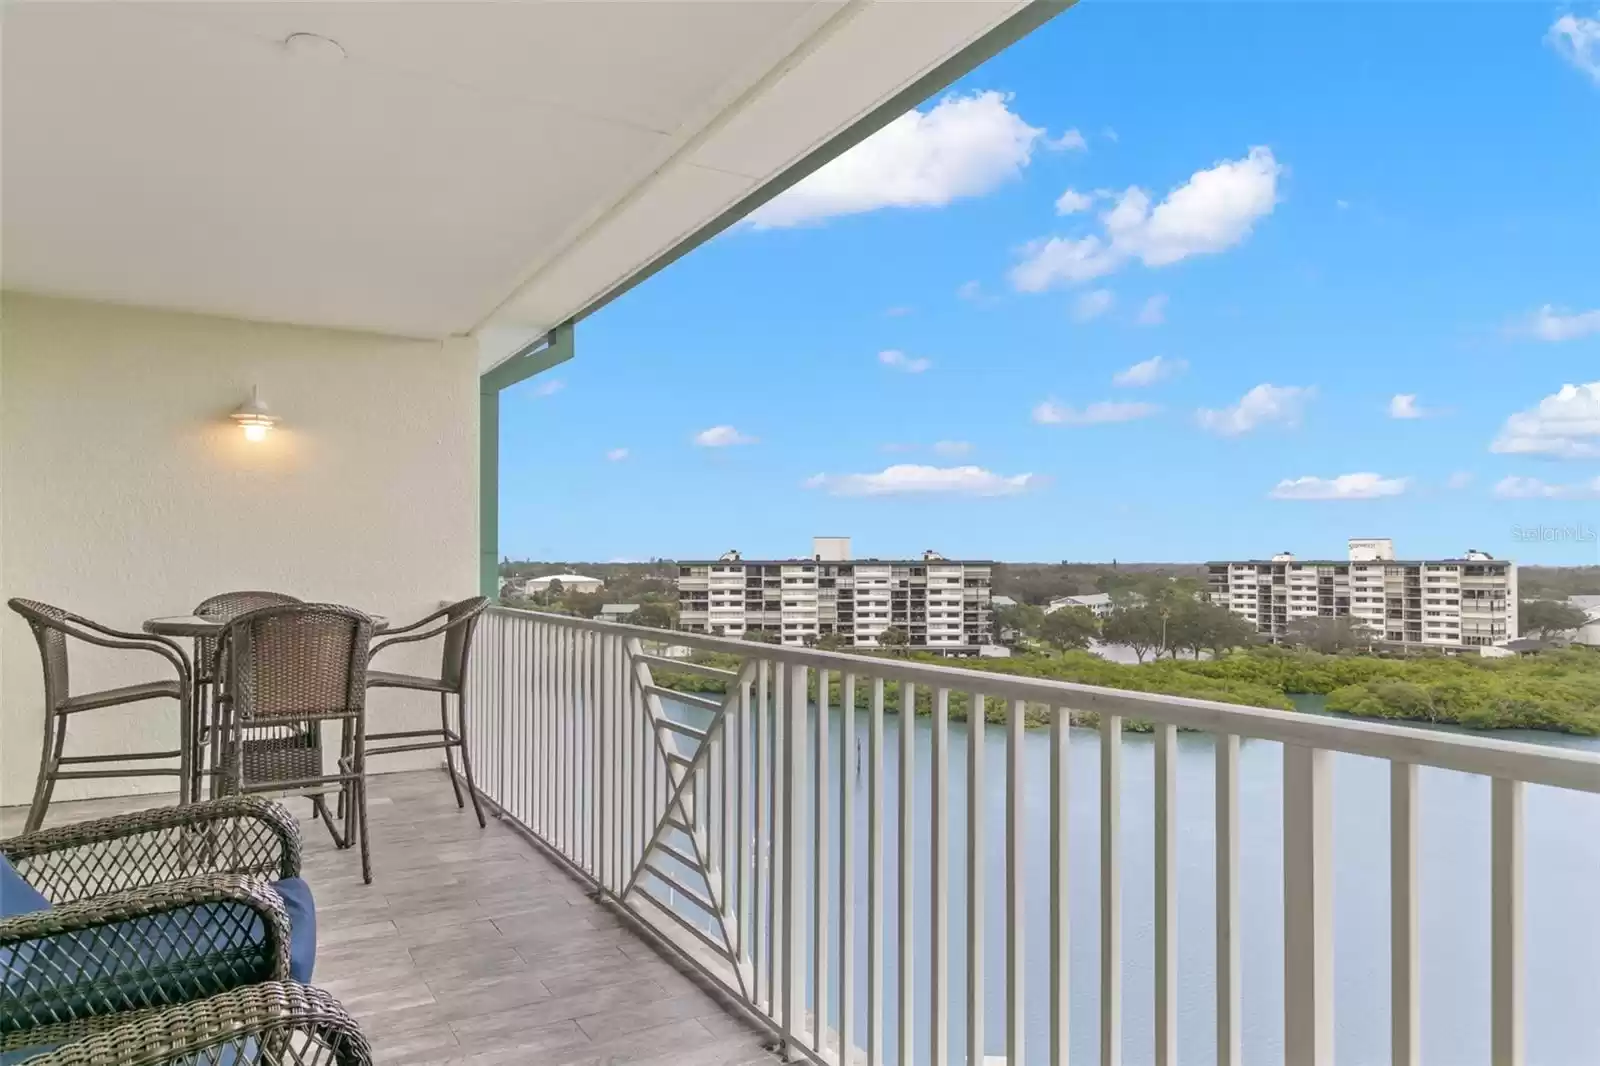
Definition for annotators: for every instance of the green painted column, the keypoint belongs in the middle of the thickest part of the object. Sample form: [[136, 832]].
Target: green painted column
[[554, 348]]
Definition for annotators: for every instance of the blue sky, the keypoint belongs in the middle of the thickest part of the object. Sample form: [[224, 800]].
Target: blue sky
[[1306, 212]]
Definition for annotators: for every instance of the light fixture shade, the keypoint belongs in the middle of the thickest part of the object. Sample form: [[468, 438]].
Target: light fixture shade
[[253, 417]]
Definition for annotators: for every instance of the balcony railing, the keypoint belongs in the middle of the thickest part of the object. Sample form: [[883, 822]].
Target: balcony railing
[[801, 848]]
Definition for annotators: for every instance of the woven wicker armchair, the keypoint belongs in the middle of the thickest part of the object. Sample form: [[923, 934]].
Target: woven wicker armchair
[[224, 607], [278, 1022], [291, 668], [54, 629], [148, 910]]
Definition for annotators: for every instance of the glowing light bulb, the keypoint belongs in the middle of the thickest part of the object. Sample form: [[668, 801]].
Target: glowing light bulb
[[253, 417]]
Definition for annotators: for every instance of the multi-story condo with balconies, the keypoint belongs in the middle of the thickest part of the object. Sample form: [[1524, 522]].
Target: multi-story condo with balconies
[[1424, 603], [942, 605]]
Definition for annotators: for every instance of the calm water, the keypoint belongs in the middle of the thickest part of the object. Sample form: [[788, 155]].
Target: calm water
[[1562, 878]]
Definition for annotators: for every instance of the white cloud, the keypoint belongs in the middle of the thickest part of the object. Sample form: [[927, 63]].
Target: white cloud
[[1404, 405], [1072, 201], [1149, 372], [1564, 425], [970, 290], [1211, 212], [1063, 259], [894, 357], [1343, 205], [1069, 141], [1154, 311], [721, 437], [549, 387], [616, 455], [910, 479], [1531, 488], [952, 447], [1343, 487], [962, 146], [1577, 40], [1459, 480], [1092, 305], [1110, 134], [1262, 405], [899, 311], [1550, 324], [1051, 413]]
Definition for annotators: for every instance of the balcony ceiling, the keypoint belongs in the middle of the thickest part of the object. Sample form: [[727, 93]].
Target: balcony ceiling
[[462, 167]]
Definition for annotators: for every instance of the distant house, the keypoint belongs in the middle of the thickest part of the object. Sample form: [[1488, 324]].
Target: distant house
[[1002, 601], [569, 583], [616, 612], [1508, 648], [1588, 634], [1097, 604]]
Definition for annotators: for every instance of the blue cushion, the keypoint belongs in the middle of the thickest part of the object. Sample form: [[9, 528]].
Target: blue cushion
[[16, 895], [297, 901]]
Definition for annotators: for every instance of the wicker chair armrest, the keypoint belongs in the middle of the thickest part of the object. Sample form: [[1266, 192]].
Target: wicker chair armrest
[[92, 632], [235, 834], [300, 1024], [419, 623], [408, 638], [136, 950]]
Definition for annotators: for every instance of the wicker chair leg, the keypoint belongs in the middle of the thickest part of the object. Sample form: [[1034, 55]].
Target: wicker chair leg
[[361, 807], [55, 737], [466, 758], [449, 753]]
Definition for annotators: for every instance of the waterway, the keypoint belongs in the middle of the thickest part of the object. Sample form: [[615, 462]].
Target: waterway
[[1562, 889]]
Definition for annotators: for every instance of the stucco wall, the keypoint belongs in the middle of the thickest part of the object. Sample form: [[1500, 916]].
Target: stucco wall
[[128, 494]]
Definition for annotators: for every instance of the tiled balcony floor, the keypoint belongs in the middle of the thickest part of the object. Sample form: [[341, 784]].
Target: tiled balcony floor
[[472, 947]]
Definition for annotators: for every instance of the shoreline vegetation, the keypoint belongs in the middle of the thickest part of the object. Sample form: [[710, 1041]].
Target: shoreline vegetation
[[1558, 691]]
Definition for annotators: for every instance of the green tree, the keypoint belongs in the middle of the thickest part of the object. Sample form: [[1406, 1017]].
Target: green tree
[[1548, 618], [553, 592], [832, 642], [1218, 629], [655, 615], [1070, 627], [1326, 634], [894, 638], [1137, 627], [761, 636], [1018, 622]]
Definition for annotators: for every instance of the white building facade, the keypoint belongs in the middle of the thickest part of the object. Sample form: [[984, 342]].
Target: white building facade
[[1465, 602], [942, 605]]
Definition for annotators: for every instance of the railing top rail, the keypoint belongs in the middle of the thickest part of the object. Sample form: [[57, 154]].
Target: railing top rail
[[1533, 763]]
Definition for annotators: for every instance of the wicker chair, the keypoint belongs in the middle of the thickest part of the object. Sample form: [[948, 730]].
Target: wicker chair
[[456, 623], [279, 1022], [290, 668], [148, 910], [225, 608], [52, 626]]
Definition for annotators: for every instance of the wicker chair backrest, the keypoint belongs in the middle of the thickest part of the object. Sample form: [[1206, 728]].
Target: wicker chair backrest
[[298, 660], [226, 607], [463, 622], [46, 622]]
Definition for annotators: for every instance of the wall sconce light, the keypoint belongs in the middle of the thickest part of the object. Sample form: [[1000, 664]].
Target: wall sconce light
[[252, 416]]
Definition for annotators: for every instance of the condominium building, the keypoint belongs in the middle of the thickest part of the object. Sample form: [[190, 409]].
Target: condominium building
[[941, 604], [1440, 603]]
